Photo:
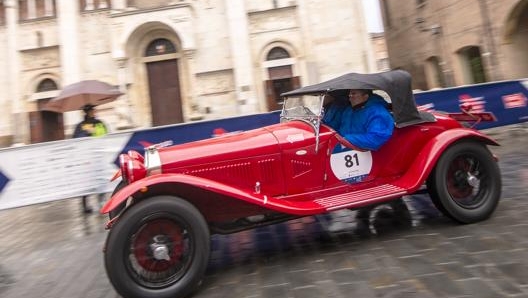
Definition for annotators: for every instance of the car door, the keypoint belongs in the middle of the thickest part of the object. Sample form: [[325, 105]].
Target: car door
[[303, 158]]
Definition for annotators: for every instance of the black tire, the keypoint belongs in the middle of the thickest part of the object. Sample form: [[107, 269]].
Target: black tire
[[465, 184], [121, 206], [433, 194], [167, 226]]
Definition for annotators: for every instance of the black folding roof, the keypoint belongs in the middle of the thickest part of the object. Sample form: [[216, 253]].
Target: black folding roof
[[396, 83]]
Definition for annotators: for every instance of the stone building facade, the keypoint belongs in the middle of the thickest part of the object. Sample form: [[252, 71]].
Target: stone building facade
[[381, 55], [175, 61], [448, 42]]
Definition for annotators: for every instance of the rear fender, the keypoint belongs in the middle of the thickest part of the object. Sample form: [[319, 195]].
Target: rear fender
[[424, 163], [142, 186]]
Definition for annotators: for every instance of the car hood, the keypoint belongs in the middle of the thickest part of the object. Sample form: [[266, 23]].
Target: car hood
[[231, 146]]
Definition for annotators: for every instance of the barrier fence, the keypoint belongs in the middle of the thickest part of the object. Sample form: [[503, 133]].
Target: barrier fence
[[71, 168]]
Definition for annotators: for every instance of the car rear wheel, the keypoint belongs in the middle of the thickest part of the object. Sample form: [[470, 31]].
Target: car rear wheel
[[158, 248], [466, 183]]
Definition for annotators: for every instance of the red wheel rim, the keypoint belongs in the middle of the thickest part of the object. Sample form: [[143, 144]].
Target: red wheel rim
[[159, 251]]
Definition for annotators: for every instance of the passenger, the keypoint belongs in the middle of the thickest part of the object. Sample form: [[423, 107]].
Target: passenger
[[365, 123], [333, 109]]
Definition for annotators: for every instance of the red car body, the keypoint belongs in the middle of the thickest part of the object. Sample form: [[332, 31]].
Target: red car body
[[232, 166], [171, 198]]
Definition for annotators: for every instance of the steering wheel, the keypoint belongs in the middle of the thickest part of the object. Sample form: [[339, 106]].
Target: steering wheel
[[308, 111]]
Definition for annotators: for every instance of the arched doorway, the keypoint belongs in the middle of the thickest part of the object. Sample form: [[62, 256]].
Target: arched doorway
[[164, 82], [472, 65], [281, 77], [515, 40], [45, 126]]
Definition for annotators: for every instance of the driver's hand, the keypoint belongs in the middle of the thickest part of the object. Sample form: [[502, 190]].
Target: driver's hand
[[347, 143]]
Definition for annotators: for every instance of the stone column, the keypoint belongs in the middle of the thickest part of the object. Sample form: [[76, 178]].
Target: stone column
[[241, 53], [118, 4], [68, 12], [195, 110], [13, 69], [121, 61], [68, 22], [48, 6], [32, 9], [89, 5]]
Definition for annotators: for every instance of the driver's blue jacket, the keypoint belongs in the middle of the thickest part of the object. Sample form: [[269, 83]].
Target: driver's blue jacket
[[367, 127]]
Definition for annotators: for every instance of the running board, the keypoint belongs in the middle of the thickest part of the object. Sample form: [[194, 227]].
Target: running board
[[361, 197]]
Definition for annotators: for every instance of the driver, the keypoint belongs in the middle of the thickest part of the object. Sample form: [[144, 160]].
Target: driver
[[365, 122]]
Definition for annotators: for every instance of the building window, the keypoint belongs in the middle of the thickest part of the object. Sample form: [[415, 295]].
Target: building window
[[383, 64], [2, 13], [89, 5], [472, 65], [46, 85], [160, 46], [23, 10], [277, 53], [35, 9], [476, 66]]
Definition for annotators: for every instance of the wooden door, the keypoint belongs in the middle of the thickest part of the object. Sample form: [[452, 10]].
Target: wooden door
[[45, 126], [274, 88], [164, 90]]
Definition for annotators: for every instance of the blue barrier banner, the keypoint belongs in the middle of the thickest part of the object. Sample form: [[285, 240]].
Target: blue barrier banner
[[507, 100]]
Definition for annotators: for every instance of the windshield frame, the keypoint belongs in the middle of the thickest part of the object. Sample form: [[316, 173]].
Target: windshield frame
[[307, 108]]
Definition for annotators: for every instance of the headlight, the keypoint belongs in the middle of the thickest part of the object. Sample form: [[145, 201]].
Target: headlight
[[123, 162], [135, 155], [132, 167], [136, 170]]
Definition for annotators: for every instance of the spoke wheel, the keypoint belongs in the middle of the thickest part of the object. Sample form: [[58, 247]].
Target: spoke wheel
[[466, 184], [158, 248], [160, 252]]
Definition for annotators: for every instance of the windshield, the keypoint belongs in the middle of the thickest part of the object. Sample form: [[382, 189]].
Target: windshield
[[305, 107]]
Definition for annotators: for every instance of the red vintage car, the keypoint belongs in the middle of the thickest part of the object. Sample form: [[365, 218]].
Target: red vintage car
[[172, 198]]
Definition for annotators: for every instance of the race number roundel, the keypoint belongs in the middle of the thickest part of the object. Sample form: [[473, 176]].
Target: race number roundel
[[350, 165]]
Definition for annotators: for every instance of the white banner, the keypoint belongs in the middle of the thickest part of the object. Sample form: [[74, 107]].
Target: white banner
[[58, 170]]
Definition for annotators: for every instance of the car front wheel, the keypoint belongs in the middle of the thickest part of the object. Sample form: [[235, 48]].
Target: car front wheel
[[466, 183], [120, 207], [158, 248]]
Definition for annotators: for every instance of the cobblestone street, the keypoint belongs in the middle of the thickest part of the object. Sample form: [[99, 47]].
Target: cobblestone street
[[53, 250]]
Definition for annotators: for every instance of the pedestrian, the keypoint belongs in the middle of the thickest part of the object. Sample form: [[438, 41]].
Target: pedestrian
[[90, 127]]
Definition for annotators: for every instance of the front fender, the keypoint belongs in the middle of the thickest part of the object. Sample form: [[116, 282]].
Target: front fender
[[424, 163], [142, 185]]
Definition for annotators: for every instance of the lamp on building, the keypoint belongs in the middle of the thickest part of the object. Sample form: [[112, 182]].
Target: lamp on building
[[435, 29]]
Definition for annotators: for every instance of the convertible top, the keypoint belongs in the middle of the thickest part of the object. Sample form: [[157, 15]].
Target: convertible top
[[397, 84]]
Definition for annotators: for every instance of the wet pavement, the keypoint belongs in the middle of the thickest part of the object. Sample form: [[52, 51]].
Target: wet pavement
[[53, 250]]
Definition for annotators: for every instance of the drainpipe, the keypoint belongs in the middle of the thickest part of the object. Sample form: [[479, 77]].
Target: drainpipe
[[490, 53]]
